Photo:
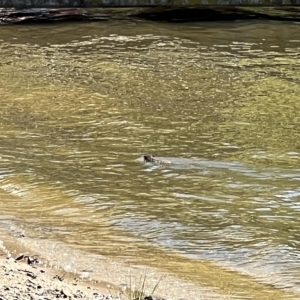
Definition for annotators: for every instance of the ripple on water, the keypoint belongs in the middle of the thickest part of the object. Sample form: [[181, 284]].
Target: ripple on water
[[78, 109]]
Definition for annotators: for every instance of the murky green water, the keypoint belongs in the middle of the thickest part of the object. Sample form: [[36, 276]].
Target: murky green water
[[81, 103]]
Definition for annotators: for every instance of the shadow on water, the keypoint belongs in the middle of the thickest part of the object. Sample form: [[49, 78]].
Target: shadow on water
[[202, 14]]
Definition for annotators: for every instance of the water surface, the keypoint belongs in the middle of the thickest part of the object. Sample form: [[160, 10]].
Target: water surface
[[81, 103]]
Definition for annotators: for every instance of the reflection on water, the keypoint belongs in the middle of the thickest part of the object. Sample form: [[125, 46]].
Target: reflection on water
[[80, 105]]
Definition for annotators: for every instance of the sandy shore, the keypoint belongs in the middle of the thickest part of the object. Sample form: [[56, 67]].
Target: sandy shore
[[24, 277], [89, 277], [20, 280]]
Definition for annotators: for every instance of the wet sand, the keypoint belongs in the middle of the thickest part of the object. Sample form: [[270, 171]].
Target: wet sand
[[26, 275], [24, 279], [50, 277], [89, 278]]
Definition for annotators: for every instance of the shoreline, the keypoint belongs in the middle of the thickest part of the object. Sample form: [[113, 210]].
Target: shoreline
[[108, 279], [109, 276], [25, 277], [176, 14], [22, 281], [44, 280]]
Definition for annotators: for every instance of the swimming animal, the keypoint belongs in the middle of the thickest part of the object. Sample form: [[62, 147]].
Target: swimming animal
[[151, 159]]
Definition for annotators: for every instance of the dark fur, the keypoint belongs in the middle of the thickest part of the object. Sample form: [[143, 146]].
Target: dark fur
[[151, 159], [148, 158]]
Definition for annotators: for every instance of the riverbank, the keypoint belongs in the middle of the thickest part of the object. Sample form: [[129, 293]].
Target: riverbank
[[130, 3], [30, 276], [23, 277], [21, 281], [91, 272], [158, 14]]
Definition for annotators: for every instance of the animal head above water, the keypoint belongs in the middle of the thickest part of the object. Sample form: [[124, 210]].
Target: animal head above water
[[148, 158]]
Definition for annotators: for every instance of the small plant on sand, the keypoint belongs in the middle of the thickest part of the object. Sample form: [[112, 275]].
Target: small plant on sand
[[136, 289]]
